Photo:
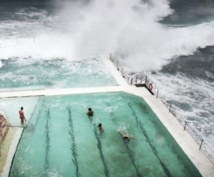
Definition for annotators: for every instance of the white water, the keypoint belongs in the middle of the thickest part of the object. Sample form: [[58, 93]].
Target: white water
[[192, 100], [127, 28]]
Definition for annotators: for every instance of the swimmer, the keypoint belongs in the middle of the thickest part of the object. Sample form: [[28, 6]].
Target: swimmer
[[126, 138], [90, 112], [100, 128]]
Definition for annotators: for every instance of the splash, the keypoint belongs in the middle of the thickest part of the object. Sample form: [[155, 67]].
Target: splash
[[129, 29]]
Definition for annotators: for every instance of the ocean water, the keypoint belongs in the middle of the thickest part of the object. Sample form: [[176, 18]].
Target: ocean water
[[172, 41], [19, 74]]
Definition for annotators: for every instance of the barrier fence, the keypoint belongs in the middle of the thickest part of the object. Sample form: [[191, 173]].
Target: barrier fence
[[143, 80]]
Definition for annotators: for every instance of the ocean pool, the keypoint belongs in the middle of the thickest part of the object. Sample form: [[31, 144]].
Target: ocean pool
[[60, 140]]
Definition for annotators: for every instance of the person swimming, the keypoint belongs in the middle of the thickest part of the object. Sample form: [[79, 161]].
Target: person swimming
[[100, 128], [90, 112], [126, 138]]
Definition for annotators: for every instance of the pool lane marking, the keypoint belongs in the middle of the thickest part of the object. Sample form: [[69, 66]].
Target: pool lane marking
[[38, 117], [47, 147], [128, 151], [99, 146], [132, 159], [73, 142], [39, 113], [167, 172]]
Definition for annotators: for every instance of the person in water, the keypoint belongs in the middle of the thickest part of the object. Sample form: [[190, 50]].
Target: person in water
[[126, 138], [100, 128], [90, 112], [22, 116]]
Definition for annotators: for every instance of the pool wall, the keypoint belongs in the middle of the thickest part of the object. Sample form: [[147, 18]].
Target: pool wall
[[183, 138], [12, 150]]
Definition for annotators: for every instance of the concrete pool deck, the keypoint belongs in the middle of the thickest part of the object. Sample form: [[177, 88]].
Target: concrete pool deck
[[8, 149], [183, 138]]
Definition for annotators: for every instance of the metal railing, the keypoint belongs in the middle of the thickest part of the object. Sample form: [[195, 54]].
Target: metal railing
[[134, 79]]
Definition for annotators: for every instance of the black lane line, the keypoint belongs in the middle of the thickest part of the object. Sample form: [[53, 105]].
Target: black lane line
[[128, 150], [99, 146], [73, 142], [34, 114], [39, 113], [132, 159], [47, 143], [167, 172]]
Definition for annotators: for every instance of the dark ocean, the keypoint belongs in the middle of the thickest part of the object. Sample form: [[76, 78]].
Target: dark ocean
[[172, 41]]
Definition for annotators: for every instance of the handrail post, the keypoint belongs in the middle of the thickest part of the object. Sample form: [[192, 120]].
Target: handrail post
[[201, 144], [185, 125], [131, 81], [170, 106], [117, 65], [157, 93], [145, 79]]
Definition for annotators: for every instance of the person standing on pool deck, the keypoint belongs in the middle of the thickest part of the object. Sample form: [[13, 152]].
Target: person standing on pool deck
[[90, 112], [100, 128], [22, 116]]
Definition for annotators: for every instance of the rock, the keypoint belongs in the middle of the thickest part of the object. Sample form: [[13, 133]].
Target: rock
[[3, 127]]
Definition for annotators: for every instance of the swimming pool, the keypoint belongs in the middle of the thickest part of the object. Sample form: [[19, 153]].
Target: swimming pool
[[31, 73], [62, 141]]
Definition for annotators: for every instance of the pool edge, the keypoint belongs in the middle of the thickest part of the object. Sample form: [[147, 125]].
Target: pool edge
[[12, 150]]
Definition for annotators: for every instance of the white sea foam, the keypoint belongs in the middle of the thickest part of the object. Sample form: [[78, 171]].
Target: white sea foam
[[128, 29], [192, 101]]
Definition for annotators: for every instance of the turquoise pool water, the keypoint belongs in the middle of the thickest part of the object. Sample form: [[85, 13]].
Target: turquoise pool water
[[57, 73], [61, 140]]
